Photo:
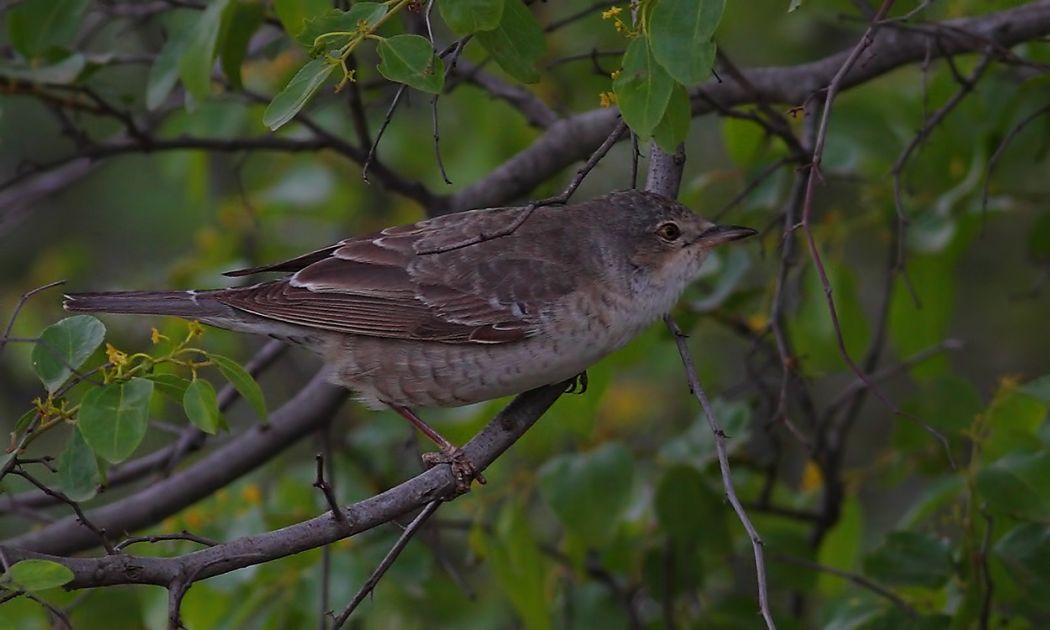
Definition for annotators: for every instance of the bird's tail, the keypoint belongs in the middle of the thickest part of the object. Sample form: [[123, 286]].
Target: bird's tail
[[199, 305]]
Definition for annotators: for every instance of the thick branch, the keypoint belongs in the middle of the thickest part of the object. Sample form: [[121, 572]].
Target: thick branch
[[309, 409], [505, 429], [574, 138]]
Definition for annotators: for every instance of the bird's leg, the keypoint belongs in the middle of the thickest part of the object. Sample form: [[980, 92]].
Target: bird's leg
[[577, 384], [450, 454]]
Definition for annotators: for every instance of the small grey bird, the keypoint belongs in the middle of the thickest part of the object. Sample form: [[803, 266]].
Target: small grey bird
[[445, 313]]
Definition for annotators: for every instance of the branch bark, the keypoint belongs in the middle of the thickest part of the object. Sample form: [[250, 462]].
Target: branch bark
[[573, 139], [317, 400]]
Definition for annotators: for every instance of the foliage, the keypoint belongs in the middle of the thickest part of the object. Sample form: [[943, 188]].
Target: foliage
[[190, 138]]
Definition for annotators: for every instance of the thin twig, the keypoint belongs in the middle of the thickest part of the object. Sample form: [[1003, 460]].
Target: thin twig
[[18, 309], [61, 496], [527, 211], [388, 560], [326, 489], [857, 579], [183, 535], [999, 150], [723, 465]]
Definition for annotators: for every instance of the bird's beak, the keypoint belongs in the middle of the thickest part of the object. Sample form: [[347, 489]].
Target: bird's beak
[[718, 234]]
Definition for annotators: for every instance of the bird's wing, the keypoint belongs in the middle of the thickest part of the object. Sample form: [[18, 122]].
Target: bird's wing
[[386, 285]]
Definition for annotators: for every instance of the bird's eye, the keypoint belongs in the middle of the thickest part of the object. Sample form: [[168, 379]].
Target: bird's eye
[[669, 231]]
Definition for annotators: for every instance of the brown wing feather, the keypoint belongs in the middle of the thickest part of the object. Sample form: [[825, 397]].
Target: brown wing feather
[[380, 286]]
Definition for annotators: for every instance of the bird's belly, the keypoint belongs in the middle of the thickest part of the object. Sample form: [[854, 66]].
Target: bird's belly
[[431, 374]]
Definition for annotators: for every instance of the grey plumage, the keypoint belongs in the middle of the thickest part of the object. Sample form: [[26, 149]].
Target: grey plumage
[[404, 327]]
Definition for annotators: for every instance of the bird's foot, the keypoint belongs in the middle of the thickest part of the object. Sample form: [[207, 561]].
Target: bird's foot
[[577, 384], [463, 470]]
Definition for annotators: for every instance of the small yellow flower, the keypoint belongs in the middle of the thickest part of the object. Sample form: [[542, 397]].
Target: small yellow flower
[[613, 12], [251, 494], [812, 478], [621, 27], [615, 74], [757, 322], [196, 330], [607, 99], [114, 356], [155, 336]]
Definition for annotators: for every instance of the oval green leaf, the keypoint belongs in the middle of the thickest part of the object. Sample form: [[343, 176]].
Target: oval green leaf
[[195, 65], [367, 14], [680, 35], [113, 418], [202, 406], [294, 96], [294, 13], [34, 26], [244, 18], [164, 72], [243, 382], [64, 346], [588, 491], [1025, 550], [643, 88], [410, 59], [170, 385], [1016, 485], [39, 575], [516, 43], [78, 469], [910, 558], [674, 126], [470, 16]]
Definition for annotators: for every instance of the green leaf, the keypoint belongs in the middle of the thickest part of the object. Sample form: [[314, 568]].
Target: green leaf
[[470, 16], [409, 59], [1013, 420], [34, 26], [1039, 238], [113, 418], [336, 21], [78, 469], [196, 62], [202, 406], [517, 43], [244, 18], [293, 13], [841, 547], [519, 566], [680, 35], [1037, 388], [643, 88], [165, 69], [61, 72], [39, 575], [170, 385], [1025, 550], [915, 328], [64, 346], [685, 505], [588, 491], [696, 445], [744, 141], [243, 382], [910, 559], [1016, 485], [812, 328], [294, 96], [674, 126]]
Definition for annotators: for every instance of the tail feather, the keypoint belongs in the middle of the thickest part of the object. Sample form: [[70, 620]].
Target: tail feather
[[199, 305]]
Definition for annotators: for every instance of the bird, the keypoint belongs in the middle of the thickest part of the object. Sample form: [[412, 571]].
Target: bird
[[464, 307]]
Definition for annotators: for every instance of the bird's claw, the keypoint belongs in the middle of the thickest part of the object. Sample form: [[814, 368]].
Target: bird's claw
[[462, 469]]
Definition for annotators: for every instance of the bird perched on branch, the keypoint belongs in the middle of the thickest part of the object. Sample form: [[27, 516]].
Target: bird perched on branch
[[464, 307]]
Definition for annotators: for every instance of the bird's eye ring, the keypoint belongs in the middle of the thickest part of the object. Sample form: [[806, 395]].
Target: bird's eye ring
[[669, 231]]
